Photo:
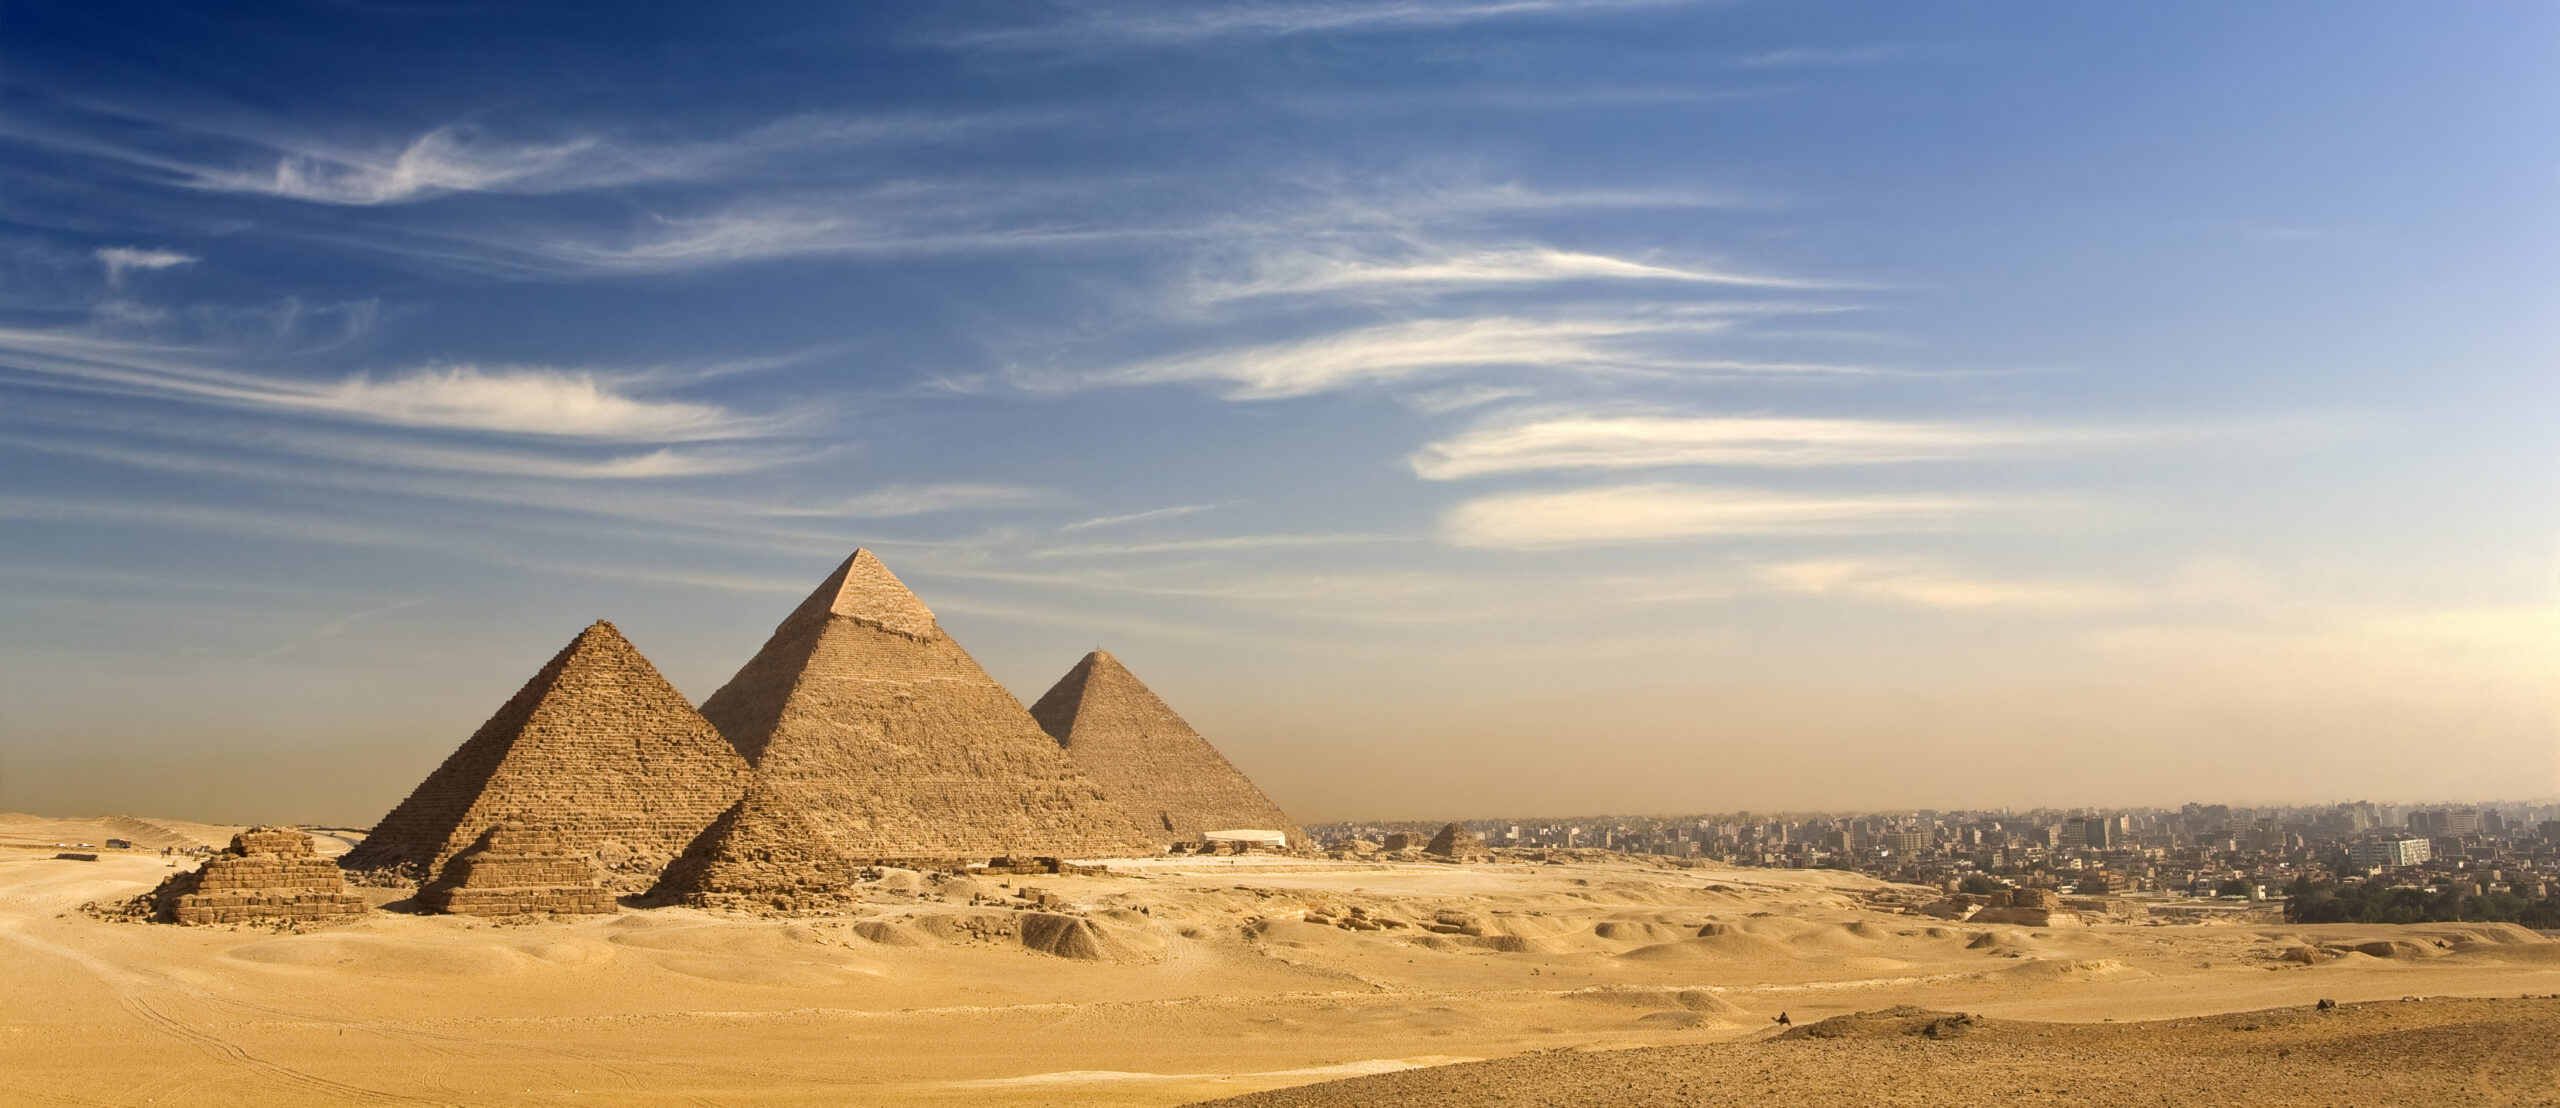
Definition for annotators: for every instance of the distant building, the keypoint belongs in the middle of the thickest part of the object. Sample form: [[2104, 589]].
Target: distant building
[[2103, 883], [2448, 823], [2388, 853], [1904, 841], [2093, 832]]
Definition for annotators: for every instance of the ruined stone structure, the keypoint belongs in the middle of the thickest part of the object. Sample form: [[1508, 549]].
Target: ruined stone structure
[[518, 867], [269, 873], [1459, 842], [2043, 899], [597, 743], [1144, 756], [761, 854], [2026, 908], [864, 712]]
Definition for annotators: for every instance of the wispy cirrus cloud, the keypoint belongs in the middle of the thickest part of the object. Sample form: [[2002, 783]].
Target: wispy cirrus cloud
[[1564, 439], [447, 159], [1151, 515], [1217, 543], [1931, 586], [850, 226], [118, 260], [893, 501], [1400, 352], [1656, 343], [1300, 273], [1458, 398], [1156, 25], [256, 155], [523, 400], [1625, 514], [1524, 442], [531, 400], [66, 432]]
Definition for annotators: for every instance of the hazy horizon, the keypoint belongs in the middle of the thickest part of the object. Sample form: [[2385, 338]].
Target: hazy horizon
[[1449, 407]]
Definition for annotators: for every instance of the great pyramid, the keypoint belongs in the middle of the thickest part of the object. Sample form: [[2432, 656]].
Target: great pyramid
[[863, 712], [1148, 759], [763, 853], [597, 745]]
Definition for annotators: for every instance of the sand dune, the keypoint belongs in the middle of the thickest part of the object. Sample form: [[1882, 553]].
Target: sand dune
[[2389, 1052], [1167, 981]]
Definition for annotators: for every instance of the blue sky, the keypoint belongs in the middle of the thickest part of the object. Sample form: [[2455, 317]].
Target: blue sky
[[1453, 408]]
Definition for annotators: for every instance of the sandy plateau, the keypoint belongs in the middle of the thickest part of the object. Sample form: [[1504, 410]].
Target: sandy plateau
[[1169, 981]]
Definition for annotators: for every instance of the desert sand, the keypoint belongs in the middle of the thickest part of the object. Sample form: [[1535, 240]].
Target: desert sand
[[1166, 981], [2466, 1051]]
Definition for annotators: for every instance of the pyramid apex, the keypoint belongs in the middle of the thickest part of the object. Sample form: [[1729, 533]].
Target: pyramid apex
[[863, 590]]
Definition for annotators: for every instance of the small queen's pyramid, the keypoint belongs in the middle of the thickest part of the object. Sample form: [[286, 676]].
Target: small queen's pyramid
[[1143, 755], [597, 746], [763, 853], [892, 741]]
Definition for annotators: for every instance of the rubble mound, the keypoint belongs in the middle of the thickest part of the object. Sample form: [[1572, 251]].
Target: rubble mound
[[763, 854], [267, 874], [1890, 1023], [1148, 759], [1080, 938], [1459, 843], [518, 868]]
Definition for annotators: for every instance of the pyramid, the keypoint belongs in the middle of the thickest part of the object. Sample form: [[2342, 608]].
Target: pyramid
[[270, 873], [1148, 759], [763, 853], [598, 746], [893, 742], [518, 867]]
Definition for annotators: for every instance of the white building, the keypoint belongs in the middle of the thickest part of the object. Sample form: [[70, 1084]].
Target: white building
[[2386, 853]]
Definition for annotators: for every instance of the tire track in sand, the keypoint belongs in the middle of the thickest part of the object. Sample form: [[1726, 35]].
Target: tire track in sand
[[126, 988]]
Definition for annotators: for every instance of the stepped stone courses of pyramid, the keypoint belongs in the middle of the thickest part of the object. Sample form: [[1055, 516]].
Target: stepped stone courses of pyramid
[[269, 873], [596, 741], [894, 742], [1144, 756], [518, 867], [761, 854]]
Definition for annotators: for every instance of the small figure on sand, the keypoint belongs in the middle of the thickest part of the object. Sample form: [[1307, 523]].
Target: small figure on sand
[[1783, 1021]]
